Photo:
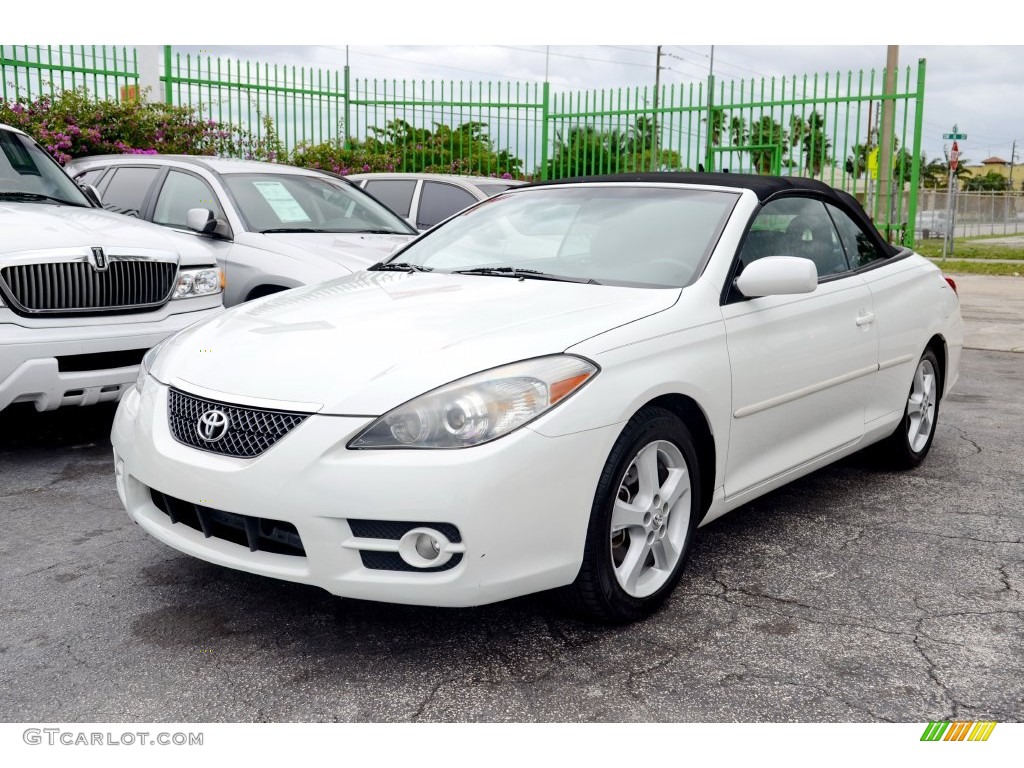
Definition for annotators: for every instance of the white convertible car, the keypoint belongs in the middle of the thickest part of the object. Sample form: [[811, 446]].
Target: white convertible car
[[551, 390]]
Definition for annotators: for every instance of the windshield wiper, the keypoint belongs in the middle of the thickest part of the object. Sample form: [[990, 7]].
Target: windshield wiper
[[10, 195], [398, 266], [292, 229], [524, 274]]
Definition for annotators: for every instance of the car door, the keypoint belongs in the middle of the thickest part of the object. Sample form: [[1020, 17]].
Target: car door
[[901, 294], [181, 191], [801, 364]]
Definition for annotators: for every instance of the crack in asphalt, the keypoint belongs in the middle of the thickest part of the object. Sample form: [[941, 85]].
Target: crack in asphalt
[[933, 675], [633, 674], [963, 436], [1004, 577]]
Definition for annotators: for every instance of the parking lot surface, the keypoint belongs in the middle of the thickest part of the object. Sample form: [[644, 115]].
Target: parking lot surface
[[854, 594]]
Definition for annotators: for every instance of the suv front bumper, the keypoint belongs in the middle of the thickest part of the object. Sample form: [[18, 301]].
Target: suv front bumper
[[29, 352]]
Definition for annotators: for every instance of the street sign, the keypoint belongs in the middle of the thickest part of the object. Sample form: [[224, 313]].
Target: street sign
[[873, 162], [955, 134], [954, 157]]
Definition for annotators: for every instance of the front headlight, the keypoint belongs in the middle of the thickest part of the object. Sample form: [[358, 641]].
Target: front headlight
[[481, 407], [147, 365], [198, 282]]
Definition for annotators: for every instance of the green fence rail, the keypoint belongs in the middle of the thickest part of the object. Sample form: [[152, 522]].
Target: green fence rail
[[824, 126]]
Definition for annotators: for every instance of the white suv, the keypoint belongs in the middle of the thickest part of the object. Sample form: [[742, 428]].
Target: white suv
[[83, 292]]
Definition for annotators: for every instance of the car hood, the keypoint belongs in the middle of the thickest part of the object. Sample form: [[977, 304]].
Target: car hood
[[41, 226], [365, 343], [352, 251]]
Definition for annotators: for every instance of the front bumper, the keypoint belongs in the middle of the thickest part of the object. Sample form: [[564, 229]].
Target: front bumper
[[29, 352], [520, 504]]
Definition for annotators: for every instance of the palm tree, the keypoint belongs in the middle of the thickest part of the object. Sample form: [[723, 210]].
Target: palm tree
[[813, 143]]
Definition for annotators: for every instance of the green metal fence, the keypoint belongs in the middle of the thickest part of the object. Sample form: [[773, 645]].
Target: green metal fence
[[299, 104], [32, 71], [823, 126]]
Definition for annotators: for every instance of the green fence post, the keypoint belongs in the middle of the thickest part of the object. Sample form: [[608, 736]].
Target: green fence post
[[915, 166], [546, 92], [345, 95], [168, 88]]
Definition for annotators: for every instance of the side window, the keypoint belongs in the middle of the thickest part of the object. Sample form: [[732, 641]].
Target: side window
[[126, 191], [90, 177], [396, 194], [438, 201], [180, 192], [860, 247], [795, 226]]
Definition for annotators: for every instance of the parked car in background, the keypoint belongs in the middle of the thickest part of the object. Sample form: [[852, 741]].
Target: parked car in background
[[271, 226], [931, 224], [84, 293], [425, 199], [554, 390]]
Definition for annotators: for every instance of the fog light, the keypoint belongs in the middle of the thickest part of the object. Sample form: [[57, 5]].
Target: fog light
[[425, 548]]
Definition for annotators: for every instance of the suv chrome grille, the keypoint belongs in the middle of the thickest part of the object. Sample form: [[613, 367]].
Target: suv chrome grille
[[76, 286], [250, 431]]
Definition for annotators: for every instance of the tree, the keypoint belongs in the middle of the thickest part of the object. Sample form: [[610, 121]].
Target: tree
[[993, 181], [766, 132], [809, 136], [715, 130], [934, 173], [584, 151]]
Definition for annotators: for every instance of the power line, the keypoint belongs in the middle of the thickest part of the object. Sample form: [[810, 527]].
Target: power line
[[574, 56]]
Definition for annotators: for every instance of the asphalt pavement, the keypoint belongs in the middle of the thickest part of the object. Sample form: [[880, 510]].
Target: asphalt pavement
[[854, 594]]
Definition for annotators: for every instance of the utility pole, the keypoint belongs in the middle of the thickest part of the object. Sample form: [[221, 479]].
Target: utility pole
[[1009, 187], [1013, 157], [885, 186]]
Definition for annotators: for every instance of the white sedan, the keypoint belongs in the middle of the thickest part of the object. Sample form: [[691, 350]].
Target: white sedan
[[552, 390]]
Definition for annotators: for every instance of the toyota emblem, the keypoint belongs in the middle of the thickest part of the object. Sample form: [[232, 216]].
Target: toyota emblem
[[213, 426]]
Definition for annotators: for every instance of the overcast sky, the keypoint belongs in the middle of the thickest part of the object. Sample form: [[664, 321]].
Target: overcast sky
[[975, 76]]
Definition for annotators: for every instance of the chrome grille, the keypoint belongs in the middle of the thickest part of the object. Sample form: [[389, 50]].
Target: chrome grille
[[76, 286], [251, 432]]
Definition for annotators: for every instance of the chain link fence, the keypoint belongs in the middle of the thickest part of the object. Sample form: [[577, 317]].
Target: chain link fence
[[976, 213]]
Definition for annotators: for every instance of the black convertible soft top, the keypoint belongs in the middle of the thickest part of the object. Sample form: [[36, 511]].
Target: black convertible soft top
[[765, 187]]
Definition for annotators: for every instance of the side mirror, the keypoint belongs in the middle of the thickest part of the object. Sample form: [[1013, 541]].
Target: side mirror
[[778, 276], [201, 220], [92, 193]]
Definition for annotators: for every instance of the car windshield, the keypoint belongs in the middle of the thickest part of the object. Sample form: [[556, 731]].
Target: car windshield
[[27, 173], [284, 202], [620, 234]]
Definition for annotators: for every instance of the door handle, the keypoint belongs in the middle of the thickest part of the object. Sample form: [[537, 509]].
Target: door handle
[[865, 318]]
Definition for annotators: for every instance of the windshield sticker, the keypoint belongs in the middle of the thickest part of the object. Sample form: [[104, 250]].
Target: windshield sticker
[[280, 199]]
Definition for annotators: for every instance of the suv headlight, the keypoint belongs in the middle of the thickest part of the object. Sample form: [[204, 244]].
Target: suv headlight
[[481, 407], [198, 282]]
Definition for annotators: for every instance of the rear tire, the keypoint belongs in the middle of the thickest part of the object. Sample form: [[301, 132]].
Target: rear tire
[[910, 442], [642, 520]]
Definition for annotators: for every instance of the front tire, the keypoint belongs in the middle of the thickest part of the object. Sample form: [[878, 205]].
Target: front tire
[[907, 446], [642, 520]]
